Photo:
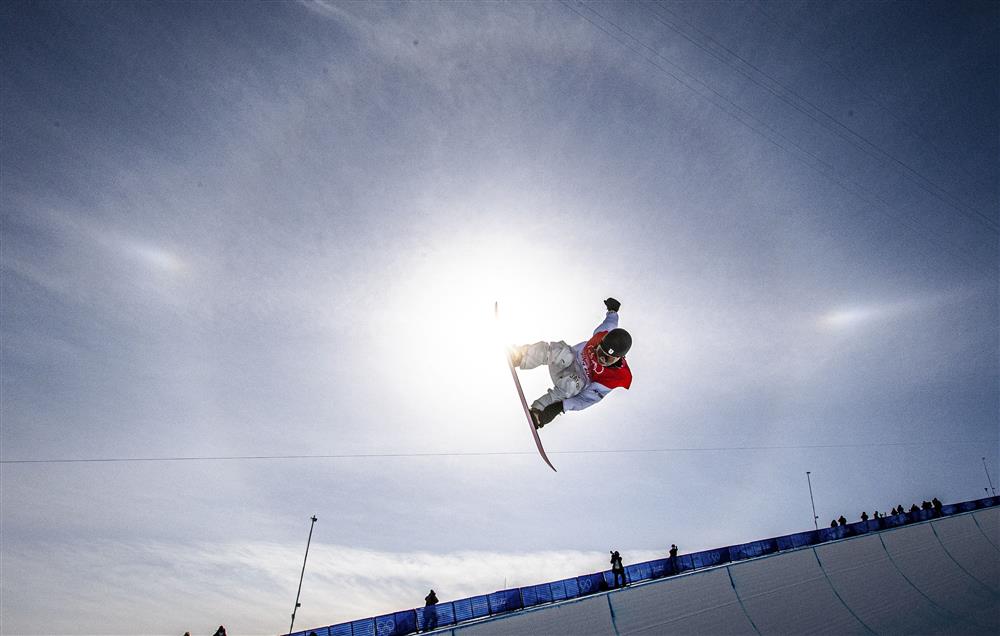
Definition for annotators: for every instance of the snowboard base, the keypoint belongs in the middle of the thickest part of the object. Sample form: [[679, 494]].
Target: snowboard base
[[524, 402]]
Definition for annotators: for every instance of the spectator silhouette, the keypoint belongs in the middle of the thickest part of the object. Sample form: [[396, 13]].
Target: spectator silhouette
[[430, 611], [672, 560], [894, 511], [864, 516], [926, 505], [833, 524], [220, 632], [914, 508], [842, 521], [617, 569], [937, 505]]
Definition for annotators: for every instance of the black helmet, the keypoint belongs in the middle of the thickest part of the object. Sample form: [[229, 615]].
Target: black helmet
[[616, 343]]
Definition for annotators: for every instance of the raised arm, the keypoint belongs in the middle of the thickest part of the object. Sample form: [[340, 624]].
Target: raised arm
[[611, 319]]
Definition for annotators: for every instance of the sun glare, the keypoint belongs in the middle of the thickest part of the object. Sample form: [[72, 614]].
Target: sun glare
[[155, 257], [441, 325], [846, 318], [450, 302], [851, 317]]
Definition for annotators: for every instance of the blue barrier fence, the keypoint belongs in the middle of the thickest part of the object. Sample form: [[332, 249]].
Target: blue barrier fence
[[504, 601]]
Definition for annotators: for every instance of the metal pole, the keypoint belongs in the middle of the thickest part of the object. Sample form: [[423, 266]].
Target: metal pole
[[301, 576], [812, 500], [988, 478]]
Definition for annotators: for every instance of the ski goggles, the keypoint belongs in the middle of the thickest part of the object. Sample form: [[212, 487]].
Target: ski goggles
[[605, 359]]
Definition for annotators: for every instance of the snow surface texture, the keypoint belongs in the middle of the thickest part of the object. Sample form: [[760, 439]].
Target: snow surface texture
[[938, 577]]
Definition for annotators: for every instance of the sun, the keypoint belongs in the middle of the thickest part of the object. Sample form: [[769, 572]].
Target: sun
[[447, 301], [440, 331]]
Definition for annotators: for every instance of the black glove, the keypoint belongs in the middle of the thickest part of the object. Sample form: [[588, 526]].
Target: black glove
[[547, 414], [612, 304]]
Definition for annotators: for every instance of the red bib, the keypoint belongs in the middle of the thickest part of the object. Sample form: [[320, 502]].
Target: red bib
[[611, 377]]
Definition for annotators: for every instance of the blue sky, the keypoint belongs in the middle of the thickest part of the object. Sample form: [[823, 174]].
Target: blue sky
[[279, 229]]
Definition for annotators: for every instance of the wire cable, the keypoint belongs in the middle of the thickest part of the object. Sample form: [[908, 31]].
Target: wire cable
[[807, 47], [691, 449], [827, 121], [817, 164]]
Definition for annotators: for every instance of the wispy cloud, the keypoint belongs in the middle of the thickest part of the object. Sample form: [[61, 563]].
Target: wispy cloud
[[281, 231], [97, 262], [440, 42], [851, 316], [250, 587]]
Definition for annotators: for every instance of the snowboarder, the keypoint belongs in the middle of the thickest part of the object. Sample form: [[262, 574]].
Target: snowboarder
[[582, 374]]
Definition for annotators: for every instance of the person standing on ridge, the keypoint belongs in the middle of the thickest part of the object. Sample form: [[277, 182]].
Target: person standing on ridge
[[582, 374], [617, 568], [430, 611]]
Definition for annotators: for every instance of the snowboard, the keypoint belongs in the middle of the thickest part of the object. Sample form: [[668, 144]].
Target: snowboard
[[524, 403]]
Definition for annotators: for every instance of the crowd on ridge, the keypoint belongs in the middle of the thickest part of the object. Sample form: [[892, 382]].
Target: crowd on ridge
[[618, 568], [934, 504]]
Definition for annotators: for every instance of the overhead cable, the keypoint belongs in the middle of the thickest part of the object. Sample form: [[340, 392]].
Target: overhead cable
[[691, 449]]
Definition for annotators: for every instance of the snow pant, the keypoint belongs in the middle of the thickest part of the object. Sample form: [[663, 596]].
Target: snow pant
[[619, 576], [567, 376], [430, 618]]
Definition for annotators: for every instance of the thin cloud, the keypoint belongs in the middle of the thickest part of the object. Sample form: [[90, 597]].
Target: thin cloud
[[148, 582], [873, 312]]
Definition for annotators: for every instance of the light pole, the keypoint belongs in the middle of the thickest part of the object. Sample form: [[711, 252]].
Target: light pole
[[988, 477], [301, 576], [813, 501]]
